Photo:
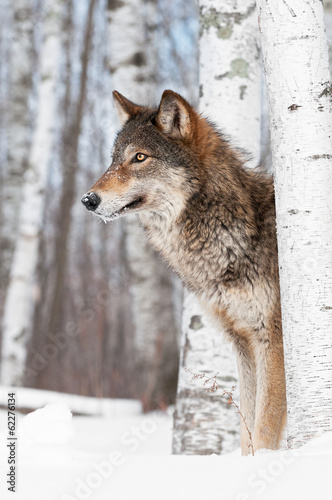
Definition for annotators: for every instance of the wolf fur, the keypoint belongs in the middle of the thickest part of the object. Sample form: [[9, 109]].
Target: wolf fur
[[213, 221]]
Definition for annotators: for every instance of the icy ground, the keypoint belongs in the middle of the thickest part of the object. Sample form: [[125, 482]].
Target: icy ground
[[126, 456]]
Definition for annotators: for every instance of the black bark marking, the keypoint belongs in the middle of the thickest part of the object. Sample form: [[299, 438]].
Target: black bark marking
[[196, 322]]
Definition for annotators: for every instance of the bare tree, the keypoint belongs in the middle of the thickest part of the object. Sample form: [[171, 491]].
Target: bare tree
[[82, 273], [20, 59], [299, 92], [66, 283], [71, 137], [17, 312]]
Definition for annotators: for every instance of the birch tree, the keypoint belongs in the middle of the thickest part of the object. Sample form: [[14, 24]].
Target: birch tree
[[300, 100], [17, 312], [5, 43], [230, 96], [133, 62], [70, 257], [81, 277], [18, 126]]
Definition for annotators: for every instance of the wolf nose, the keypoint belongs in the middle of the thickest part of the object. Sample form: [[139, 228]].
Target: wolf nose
[[91, 201]]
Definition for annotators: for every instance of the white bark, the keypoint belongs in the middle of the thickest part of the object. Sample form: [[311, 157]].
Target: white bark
[[19, 123], [204, 422], [132, 63], [300, 98], [229, 95], [5, 51], [230, 82], [5, 44], [21, 286]]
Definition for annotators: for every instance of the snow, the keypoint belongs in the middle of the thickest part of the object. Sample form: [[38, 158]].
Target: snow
[[127, 457], [35, 427], [33, 398]]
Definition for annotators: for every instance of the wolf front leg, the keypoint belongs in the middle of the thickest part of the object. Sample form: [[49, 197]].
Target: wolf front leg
[[271, 410], [247, 379]]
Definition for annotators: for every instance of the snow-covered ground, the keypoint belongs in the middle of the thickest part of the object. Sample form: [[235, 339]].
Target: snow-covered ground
[[126, 456]]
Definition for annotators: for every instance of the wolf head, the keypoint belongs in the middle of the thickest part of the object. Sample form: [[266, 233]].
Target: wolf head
[[155, 158]]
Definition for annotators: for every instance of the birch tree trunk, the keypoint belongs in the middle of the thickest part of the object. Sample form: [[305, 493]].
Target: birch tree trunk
[[5, 44], [300, 99], [133, 62], [19, 129], [81, 280], [17, 313], [230, 96]]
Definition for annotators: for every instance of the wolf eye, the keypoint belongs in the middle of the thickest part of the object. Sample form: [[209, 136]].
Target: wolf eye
[[140, 157]]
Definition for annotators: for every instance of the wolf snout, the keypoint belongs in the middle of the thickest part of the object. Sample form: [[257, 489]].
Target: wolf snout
[[91, 201]]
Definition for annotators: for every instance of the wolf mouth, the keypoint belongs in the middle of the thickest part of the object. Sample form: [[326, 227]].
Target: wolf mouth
[[133, 204], [122, 211]]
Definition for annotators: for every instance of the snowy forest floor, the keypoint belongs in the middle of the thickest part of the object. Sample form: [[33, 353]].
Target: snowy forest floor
[[127, 456]]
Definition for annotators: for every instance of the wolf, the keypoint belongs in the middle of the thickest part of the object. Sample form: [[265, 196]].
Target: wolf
[[213, 221]]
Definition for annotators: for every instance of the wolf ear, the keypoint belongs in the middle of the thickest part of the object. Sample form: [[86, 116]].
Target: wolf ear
[[175, 116], [126, 109]]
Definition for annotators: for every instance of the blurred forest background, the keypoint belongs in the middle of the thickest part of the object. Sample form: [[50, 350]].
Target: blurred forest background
[[86, 307]]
